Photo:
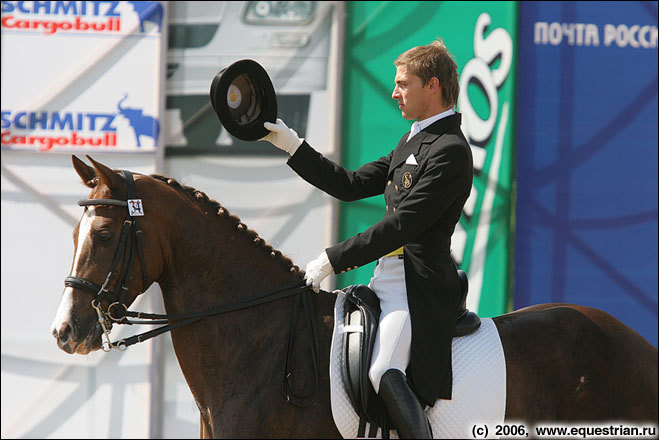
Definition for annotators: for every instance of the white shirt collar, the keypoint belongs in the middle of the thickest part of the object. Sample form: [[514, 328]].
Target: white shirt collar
[[418, 126]]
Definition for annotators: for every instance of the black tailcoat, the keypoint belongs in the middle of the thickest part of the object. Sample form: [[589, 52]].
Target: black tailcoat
[[423, 204]]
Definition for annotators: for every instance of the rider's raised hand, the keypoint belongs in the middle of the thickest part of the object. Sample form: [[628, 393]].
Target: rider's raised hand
[[317, 270], [282, 137]]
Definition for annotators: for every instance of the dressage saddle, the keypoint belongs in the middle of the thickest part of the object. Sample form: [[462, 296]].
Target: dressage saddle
[[362, 315]]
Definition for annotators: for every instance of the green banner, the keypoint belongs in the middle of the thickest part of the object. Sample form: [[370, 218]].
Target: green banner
[[481, 36]]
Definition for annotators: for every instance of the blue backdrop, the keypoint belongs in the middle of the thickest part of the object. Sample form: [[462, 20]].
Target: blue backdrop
[[586, 219]]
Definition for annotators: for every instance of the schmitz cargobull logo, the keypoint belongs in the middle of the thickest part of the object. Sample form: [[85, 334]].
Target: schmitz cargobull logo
[[52, 17], [44, 130]]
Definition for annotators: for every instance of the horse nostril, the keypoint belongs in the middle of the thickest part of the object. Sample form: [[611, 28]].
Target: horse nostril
[[63, 333]]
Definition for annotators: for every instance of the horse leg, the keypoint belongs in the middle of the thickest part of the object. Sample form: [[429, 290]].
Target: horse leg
[[204, 429]]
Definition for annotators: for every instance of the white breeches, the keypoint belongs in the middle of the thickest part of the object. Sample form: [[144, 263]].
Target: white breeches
[[394, 335]]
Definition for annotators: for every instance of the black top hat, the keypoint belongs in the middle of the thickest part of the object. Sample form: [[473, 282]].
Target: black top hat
[[243, 98]]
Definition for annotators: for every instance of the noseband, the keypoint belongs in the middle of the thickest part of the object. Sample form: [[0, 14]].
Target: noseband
[[130, 244]]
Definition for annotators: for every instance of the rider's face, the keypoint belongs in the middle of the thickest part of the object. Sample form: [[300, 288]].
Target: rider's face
[[413, 97]]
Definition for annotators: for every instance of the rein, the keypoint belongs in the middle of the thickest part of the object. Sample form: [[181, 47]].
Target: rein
[[131, 244]]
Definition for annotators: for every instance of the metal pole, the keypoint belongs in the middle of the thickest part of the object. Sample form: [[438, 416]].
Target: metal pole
[[157, 364], [336, 105], [164, 33]]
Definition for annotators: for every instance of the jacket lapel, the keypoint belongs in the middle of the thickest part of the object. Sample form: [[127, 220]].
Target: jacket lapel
[[427, 136], [402, 152]]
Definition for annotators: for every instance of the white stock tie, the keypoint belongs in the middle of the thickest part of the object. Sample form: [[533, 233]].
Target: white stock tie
[[413, 131]]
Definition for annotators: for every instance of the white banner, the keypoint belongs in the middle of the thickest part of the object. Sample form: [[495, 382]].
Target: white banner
[[81, 75]]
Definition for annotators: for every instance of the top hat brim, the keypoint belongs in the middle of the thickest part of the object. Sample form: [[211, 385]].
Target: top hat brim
[[244, 98]]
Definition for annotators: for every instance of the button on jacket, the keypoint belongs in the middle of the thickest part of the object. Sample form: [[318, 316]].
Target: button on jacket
[[423, 204]]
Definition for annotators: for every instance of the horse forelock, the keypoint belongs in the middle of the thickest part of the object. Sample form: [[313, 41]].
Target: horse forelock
[[200, 198]]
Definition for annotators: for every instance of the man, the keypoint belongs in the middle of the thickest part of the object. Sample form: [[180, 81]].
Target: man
[[426, 180]]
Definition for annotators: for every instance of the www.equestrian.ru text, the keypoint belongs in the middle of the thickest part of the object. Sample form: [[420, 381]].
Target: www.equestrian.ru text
[[519, 430]]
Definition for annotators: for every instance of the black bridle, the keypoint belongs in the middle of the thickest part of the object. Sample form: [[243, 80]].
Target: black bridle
[[129, 247]]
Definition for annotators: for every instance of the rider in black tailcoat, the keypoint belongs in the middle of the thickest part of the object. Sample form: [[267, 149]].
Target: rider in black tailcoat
[[426, 181]]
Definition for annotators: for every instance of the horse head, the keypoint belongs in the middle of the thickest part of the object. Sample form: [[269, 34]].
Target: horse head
[[100, 243]]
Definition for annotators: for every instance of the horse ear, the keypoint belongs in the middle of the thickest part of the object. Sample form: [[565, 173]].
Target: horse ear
[[85, 172], [106, 175]]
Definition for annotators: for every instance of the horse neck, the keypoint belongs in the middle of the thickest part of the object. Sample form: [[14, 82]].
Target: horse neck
[[230, 358], [215, 260]]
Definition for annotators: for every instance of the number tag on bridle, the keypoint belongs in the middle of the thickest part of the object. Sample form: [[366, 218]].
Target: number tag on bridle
[[135, 207]]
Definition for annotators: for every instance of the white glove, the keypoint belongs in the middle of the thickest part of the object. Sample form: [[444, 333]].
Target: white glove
[[282, 137], [317, 270]]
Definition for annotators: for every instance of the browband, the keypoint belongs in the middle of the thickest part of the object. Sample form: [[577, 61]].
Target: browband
[[91, 202]]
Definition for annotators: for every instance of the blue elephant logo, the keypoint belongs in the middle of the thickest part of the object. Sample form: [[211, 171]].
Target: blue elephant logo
[[143, 125], [148, 11]]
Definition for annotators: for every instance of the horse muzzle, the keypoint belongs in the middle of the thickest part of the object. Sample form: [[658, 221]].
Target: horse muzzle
[[69, 340]]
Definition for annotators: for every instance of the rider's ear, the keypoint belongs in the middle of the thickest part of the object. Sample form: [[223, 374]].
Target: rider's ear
[[85, 172], [106, 175]]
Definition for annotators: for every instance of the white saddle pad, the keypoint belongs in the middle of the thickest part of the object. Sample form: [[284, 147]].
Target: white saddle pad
[[479, 384]]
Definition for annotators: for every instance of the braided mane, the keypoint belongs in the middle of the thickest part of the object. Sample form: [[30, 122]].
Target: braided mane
[[253, 236]]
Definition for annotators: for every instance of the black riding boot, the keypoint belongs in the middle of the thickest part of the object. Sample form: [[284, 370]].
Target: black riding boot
[[403, 406]]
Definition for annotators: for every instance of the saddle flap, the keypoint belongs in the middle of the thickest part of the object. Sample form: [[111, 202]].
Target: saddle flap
[[352, 344], [362, 315]]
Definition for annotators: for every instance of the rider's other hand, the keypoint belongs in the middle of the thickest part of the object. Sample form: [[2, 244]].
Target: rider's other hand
[[317, 270]]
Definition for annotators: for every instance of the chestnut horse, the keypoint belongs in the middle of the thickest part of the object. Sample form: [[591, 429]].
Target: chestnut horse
[[564, 362]]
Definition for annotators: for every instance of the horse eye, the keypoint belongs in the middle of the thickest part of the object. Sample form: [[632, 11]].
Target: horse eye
[[105, 235]]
